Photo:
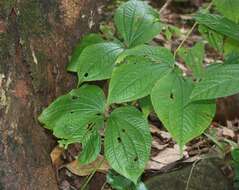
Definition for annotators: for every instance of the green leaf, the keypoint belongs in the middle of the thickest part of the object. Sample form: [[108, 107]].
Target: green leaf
[[87, 40], [229, 8], [137, 22], [183, 119], [118, 182], [127, 142], [75, 129], [154, 54], [91, 147], [218, 82], [193, 58], [220, 24], [85, 101], [214, 39], [134, 80], [231, 46], [146, 106], [97, 61]]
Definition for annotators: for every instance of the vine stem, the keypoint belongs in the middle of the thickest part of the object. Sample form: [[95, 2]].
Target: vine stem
[[189, 32], [91, 175]]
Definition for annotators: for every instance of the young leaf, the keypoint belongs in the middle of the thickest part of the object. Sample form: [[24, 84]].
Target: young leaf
[[91, 147], [146, 106], [87, 40], [84, 101], [220, 24], [184, 120], [127, 142], [119, 182], [97, 61], [137, 22], [214, 39], [154, 54], [229, 8], [134, 80], [194, 59]]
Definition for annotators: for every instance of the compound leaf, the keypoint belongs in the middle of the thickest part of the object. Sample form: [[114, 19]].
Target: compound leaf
[[97, 61], [229, 8], [127, 142], [218, 82], [220, 24], [184, 120], [87, 40], [134, 80], [137, 22]]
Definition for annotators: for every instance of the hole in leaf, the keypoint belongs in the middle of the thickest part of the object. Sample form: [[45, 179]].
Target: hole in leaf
[[74, 97], [119, 139], [171, 96], [98, 114], [71, 112], [123, 130], [86, 74], [90, 126], [136, 159]]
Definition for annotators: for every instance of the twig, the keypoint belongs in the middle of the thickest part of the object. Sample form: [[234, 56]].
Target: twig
[[165, 6], [190, 32], [191, 173], [103, 186], [91, 176]]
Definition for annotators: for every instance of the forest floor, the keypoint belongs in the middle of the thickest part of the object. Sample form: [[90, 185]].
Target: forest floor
[[165, 155]]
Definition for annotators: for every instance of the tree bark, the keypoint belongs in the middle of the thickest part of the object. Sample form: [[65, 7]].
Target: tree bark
[[36, 38]]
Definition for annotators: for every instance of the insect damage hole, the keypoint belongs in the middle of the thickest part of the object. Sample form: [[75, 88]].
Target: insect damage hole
[[171, 95], [119, 140], [86, 74], [136, 158], [74, 97]]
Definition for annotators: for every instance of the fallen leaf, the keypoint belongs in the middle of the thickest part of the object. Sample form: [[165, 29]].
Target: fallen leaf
[[56, 156], [169, 155], [228, 132], [86, 169]]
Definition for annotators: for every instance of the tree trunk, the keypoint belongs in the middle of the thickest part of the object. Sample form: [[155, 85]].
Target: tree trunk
[[36, 38]]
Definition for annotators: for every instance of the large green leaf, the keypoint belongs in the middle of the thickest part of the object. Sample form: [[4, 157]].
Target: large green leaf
[[87, 40], [184, 120], [219, 24], [193, 58], [97, 61], [134, 80], [229, 8], [218, 82], [154, 54], [81, 102], [127, 142], [137, 22]]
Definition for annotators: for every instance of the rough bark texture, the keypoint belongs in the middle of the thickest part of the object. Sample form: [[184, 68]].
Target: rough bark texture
[[36, 38]]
